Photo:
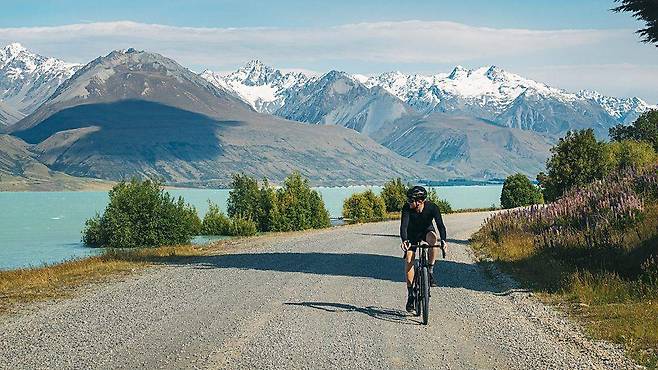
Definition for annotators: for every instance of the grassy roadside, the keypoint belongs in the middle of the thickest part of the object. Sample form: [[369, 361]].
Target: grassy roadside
[[22, 287], [618, 305], [59, 281]]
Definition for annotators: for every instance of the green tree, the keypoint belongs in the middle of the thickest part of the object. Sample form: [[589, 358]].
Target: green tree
[[216, 223], [645, 128], [364, 207], [244, 198], [518, 191], [270, 216], [394, 194], [141, 214], [629, 153], [444, 205], [576, 160], [644, 10], [300, 208]]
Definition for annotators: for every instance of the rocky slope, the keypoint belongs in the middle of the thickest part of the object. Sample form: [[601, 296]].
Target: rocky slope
[[28, 79], [138, 113]]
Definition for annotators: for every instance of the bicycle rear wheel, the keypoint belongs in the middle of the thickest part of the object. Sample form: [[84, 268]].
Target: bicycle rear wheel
[[425, 293]]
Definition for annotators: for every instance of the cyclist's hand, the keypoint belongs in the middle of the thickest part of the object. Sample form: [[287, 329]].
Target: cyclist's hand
[[405, 245]]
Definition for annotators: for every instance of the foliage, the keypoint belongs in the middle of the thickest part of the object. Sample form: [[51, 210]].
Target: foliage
[[595, 248], [433, 197], [270, 216], [141, 214], [628, 154], [576, 160], [300, 207], [595, 217], [394, 194], [216, 223], [644, 10], [244, 198], [645, 128], [518, 191], [364, 207]]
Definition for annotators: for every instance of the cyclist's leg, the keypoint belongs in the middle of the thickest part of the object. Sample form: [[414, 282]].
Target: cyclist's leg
[[432, 239], [409, 257]]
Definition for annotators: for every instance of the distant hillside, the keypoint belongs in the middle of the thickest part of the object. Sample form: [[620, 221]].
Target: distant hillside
[[19, 170], [139, 113]]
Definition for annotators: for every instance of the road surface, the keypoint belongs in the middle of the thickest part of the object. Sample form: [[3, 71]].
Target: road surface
[[329, 299]]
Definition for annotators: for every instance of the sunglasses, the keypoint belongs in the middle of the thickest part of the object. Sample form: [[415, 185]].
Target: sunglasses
[[414, 201]]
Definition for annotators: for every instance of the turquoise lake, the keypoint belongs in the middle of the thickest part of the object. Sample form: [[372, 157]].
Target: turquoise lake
[[45, 227]]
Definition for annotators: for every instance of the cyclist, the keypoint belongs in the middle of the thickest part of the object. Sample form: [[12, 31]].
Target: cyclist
[[420, 221]]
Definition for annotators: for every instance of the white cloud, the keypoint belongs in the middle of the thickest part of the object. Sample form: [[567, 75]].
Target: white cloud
[[400, 45], [623, 80], [402, 42]]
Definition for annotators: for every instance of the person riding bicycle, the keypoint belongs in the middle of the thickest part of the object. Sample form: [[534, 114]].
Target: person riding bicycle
[[419, 222]]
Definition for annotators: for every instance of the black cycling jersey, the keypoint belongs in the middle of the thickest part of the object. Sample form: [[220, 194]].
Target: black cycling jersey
[[414, 226]]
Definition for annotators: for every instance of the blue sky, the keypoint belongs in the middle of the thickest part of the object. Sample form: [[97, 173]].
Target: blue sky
[[568, 44]]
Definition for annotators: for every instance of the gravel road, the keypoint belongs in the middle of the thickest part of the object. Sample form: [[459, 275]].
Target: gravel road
[[331, 299]]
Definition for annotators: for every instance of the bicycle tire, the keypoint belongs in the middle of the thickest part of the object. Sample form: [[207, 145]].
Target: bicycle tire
[[425, 289], [416, 288]]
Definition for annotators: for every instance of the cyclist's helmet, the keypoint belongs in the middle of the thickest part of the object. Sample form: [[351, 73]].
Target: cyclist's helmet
[[417, 193]]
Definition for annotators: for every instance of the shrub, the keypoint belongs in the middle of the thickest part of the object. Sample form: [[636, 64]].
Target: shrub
[[300, 207], [444, 205], [364, 207], [244, 197], [270, 217], [518, 191], [576, 160], [645, 128], [141, 214], [629, 153], [394, 195], [216, 223]]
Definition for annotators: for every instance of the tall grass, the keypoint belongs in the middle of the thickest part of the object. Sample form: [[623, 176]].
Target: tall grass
[[596, 248]]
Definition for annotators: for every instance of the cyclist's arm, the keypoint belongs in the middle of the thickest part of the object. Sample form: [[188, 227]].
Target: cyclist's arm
[[404, 225], [440, 224]]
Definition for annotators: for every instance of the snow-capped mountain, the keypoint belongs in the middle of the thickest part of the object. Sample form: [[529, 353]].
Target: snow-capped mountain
[[261, 86], [339, 99], [489, 92], [28, 79]]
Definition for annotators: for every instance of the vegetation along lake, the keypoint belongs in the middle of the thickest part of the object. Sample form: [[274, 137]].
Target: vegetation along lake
[[45, 227]]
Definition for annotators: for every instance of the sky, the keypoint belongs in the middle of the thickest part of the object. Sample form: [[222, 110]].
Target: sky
[[568, 44]]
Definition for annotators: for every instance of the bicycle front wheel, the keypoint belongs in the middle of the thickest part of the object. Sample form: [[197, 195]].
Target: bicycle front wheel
[[417, 291], [425, 292]]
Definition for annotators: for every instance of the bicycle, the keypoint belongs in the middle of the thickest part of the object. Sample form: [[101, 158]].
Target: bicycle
[[421, 284]]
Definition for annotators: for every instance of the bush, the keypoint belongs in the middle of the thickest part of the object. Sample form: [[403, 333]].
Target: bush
[[629, 153], [394, 195], [270, 216], [576, 160], [141, 214], [645, 128], [216, 223], [364, 207], [444, 205], [300, 207], [244, 198], [518, 191]]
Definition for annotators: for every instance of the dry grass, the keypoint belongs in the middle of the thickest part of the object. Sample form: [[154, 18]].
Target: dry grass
[[620, 309], [57, 281]]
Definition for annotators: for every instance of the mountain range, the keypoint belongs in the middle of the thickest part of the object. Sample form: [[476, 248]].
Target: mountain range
[[140, 113]]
